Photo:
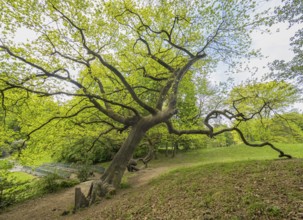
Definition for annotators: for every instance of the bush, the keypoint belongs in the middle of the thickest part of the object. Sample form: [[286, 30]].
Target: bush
[[53, 182], [12, 190], [84, 172], [5, 165], [81, 150], [49, 183], [6, 198]]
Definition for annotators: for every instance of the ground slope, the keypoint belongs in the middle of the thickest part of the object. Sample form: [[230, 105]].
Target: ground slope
[[270, 189]]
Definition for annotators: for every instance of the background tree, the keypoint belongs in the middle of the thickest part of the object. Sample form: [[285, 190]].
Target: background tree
[[291, 12], [124, 61]]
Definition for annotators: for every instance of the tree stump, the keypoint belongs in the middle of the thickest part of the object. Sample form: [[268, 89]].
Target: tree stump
[[80, 200]]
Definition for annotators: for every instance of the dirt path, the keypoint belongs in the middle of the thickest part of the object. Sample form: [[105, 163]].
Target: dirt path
[[51, 206]]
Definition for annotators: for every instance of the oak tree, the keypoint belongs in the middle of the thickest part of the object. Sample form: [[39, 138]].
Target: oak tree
[[125, 60]]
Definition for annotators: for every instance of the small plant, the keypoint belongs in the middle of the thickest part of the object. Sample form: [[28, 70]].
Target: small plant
[[11, 189], [53, 182], [50, 183], [124, 185], [84, 172], [68, 183], [274, 211]]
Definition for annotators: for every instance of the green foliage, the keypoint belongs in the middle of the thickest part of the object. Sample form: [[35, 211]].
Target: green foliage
[[262, 99], [6, 197], [84, 172], [50, 183], [6, 164], [14, 188], [53, 182], [285, 128], [17, 186], [82, 150]]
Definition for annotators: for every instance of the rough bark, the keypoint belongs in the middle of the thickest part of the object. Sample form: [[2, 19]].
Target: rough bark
[[111, 179], [115, 171]]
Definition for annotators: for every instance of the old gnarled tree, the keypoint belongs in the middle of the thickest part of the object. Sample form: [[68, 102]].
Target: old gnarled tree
[[125, 59]]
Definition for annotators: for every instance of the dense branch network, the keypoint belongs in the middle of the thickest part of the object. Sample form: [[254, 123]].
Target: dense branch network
[[172, 82]]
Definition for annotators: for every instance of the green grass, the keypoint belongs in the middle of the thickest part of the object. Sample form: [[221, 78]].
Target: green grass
[[21, 176], [233, 153], [268, 189], [237, 182]]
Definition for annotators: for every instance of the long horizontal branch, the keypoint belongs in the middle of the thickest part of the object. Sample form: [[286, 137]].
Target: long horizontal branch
[[281, 153]]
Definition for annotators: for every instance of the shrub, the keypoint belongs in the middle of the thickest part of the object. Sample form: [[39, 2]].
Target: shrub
[[5, 165], [6, 198], [84, 172], [50, 183], [11, 189], [53, 182]]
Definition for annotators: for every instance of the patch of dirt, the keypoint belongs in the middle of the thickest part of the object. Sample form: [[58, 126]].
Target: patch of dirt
[[52, 206]]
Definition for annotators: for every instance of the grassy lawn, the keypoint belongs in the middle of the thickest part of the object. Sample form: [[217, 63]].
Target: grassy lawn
[[237, 182], [231, 154], [264, 189], [21, 176]]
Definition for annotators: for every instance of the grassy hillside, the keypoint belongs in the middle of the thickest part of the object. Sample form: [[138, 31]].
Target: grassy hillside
[[237, 182], [221, 183], [239, 190], [239, 153]]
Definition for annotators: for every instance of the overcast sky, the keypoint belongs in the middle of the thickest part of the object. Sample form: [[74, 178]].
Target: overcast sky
[[273, 46]]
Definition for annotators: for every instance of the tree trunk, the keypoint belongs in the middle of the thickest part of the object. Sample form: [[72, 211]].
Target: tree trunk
[[111, 179], [175, 148], [115, 171], [166, 150]]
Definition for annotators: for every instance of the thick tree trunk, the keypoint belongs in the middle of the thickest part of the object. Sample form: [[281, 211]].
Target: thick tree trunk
[[115, 171], [111, 179]]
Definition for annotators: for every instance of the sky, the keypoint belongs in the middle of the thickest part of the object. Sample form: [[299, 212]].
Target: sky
[[273, 46]]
